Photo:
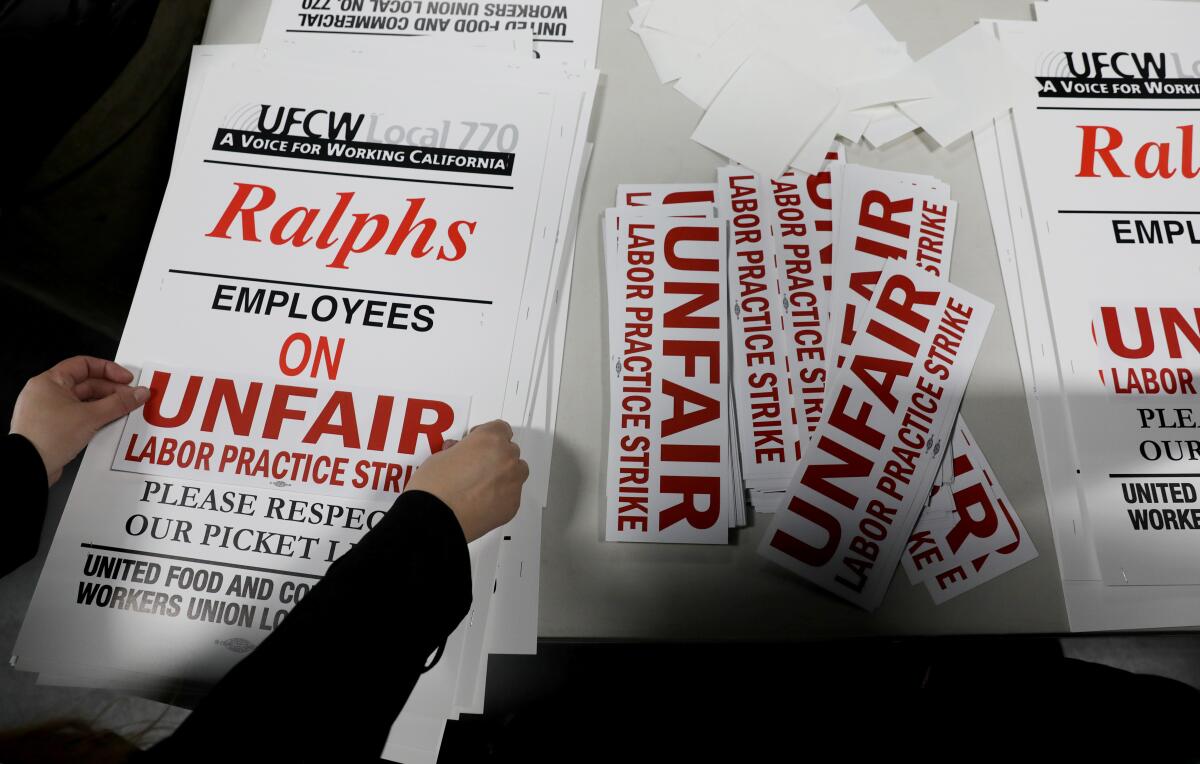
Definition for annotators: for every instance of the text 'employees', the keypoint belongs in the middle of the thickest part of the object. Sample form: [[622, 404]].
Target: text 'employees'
[[323, 308]]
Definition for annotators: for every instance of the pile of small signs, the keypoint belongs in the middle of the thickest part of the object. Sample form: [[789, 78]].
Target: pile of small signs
[[792, 346]]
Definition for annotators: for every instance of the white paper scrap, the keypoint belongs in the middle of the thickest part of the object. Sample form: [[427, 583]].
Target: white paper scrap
[[976, 80], [708, 73], [764, 114], [669, 54], [699, 20], [887, 125]]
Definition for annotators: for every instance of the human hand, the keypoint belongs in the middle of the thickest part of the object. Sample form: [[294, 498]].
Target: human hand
[[479, 478], [60, 410]]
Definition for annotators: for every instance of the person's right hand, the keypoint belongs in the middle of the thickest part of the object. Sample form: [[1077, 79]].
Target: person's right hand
[[479, 478], [60, 410]]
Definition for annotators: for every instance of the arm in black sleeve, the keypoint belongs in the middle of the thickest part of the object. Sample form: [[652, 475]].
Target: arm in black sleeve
[[328, 683], [23, 475]]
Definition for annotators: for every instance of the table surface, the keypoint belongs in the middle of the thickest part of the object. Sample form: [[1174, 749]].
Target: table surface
[[591, 589]]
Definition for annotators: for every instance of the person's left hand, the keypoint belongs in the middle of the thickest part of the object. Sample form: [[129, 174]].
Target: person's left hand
[[60, 410]]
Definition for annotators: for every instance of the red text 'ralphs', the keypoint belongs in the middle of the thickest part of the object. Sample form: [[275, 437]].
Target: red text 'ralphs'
[[253, 215]]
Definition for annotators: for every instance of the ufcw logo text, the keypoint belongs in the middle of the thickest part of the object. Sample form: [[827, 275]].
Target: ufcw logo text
[[1124, 65], [1118, 74], [1120, 65], [310, 123]]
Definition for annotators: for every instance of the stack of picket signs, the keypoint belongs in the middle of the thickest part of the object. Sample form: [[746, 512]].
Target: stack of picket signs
[[350, 266], [1090, 182], [793, 345]]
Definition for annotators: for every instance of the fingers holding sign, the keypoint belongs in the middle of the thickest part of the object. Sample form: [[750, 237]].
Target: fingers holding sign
[[60, 410], [479, 477]]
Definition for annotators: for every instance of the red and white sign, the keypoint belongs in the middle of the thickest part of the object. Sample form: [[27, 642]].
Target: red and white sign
[[654, 200], [285, 224], [801, 218], [885, 216], [668, 466], [768, 423], [298, 434], [858, 491], [969, 533]]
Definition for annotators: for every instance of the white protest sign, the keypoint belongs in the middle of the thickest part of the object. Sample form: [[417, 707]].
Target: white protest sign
[[291, 219], [1108, 161], [668, 464], [801, 216], [768, 424], [969, 533], [859, 489], [674, 200], [885, 216]]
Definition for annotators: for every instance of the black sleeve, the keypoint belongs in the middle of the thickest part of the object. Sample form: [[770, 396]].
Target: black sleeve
[[328, 683], [23, 475], [68, 52]]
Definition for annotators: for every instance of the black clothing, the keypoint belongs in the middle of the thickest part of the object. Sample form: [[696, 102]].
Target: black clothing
[[327, 684], [59, 57], [23, 473]]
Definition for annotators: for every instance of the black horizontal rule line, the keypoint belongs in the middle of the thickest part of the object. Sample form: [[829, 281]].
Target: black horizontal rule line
[[231, 277], [1117, 108], [1129, 212], [1153, 474], [198, 561], [358, 175]]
